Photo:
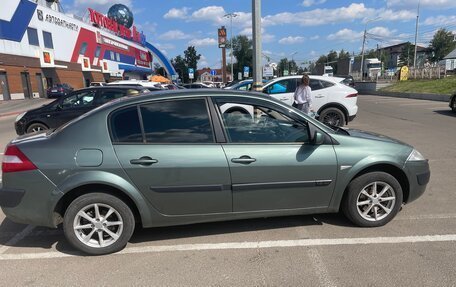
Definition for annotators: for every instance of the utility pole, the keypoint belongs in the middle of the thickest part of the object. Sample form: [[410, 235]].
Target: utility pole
[[257, 84], [416, 33], [231, 16], [362, 55]]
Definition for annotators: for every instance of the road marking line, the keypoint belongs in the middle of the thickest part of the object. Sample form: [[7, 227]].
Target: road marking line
[[421, 217], [248, 245], [21, 235]]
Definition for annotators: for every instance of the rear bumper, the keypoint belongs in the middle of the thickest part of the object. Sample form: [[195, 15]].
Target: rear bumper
[[29, 197], [351, 118], [11, 197]]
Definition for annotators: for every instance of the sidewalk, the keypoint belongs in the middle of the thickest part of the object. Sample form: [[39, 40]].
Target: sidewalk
[[15, 107]]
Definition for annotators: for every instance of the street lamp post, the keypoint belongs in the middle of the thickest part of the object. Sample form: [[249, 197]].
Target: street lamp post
[[364, 42], [289, 66], [231, 16]]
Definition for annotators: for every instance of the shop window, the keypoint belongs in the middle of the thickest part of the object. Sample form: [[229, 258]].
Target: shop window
[[47, 37], [118, 57], [32, 35], [83, 49], [111, 54], [97, 52]]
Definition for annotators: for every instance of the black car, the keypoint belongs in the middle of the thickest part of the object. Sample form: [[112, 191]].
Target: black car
[[453, 102], [59, 90], [348, 80], [64, 109]]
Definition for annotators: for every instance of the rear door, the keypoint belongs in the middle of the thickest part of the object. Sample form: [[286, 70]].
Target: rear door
[[320, 93], [168, 150], [282, 90]]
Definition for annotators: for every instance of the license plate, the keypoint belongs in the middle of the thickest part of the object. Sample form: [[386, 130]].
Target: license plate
[[54, 90]]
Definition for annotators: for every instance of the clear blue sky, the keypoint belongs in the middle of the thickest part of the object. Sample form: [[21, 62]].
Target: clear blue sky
[[309, 27]]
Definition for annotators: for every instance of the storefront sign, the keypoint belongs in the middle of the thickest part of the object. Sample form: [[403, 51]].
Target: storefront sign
[[222, 37], [104, 67], [143, 58], [56, 20], [404, 73], [85, 64], [47, 58], [113, 43], [105, 22]]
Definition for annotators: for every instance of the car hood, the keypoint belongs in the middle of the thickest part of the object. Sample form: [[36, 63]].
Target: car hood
[[373, 136]]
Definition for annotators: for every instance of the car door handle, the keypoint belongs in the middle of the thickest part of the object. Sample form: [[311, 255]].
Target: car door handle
[[319, 96], [145, 160], [245, 159]]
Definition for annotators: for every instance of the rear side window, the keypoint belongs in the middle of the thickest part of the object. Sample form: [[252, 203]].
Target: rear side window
[[125, 127], [326, 84], [109, 95], [177, 121]]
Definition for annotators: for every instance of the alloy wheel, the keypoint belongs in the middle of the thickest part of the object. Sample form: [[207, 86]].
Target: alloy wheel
[[376, 201], [98, 225]]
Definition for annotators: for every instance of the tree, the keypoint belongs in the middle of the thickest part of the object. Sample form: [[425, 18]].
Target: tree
[[282, 66], [344, 55], [159, 70], [406, 55], [191, 57], [181, 68], [442, 44], [243, 52]]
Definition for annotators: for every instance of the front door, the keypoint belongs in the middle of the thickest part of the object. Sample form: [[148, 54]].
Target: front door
[[283, 90], [26, 86], [39, 82], [170, 154], [273, 165]]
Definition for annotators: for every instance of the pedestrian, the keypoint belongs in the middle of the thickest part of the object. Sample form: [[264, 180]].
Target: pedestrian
[[302, 96]]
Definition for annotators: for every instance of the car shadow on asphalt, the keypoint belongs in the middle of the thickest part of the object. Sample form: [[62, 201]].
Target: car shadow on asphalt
[[448, 113], [47, 239]]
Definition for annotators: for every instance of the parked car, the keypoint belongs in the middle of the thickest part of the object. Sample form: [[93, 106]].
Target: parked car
[[59, 90], [196, 86], [453, 102], [334, 102], [137, 83], [98, 84], [347, 80], [68, 107], [175, 158], [245, 85]]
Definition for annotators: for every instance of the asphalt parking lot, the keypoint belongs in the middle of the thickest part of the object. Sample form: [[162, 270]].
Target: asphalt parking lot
[[415, 249]]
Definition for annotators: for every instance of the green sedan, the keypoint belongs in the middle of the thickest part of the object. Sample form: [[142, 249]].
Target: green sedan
[[183, 157]]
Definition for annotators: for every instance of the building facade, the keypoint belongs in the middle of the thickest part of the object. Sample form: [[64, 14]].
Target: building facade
[[40, 46]]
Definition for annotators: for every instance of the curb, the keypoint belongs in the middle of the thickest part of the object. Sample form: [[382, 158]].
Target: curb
[[429, 97]]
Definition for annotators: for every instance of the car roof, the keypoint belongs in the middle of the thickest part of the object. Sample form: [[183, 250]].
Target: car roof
[[316, 77]]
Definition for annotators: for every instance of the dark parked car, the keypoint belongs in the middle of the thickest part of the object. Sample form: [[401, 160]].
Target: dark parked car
[[196, 86], [180, 157], [453, 102], [66, 108], [348, 80], [59, 90]]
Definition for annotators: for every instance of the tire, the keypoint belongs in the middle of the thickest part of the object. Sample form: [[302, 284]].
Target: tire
[[453, 104], [361, 208], [333, 116], [36, 127], [115, 230]]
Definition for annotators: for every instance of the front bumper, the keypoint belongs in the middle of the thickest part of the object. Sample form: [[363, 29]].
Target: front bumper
[[418, 174], [19, 126]]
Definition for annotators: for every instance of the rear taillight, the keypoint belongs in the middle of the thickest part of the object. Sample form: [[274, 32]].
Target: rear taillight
[[14, 160], [352, 96], [61, 89]]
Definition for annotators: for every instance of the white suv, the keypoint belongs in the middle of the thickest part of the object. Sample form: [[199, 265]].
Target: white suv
[[334, 102]]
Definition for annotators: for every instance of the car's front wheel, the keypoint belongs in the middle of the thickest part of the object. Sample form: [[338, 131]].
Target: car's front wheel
[[373, 199], [36, 127], [453, 104], [333, 116], [98, 223]]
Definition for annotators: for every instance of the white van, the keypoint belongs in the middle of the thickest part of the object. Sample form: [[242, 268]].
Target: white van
[[334, 102]]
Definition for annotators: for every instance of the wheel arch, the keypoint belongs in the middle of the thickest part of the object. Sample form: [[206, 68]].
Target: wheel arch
[[64, 202], [391, 169], [337, 106]]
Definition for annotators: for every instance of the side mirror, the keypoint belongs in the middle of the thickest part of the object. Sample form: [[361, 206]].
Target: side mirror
[[59, 107], [318, 138]]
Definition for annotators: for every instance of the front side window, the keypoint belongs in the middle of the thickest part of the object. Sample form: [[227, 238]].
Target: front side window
[[247, 123], [32, 35], [326, 84], [79, 100], [47, 37], [284, 86], [177, 121]]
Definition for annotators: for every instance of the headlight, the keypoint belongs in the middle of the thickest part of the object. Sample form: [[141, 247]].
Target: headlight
[[19, 117], [415, 156]]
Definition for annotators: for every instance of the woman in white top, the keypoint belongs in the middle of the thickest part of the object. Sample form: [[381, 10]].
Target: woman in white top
[[302, 96]]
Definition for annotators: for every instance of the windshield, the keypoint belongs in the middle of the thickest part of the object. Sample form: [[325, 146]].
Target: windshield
[[374, 66]]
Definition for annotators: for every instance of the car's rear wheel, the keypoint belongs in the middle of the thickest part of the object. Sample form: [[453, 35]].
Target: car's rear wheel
[[36, 127], [333, 116], [98, 223], [373, 199]]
